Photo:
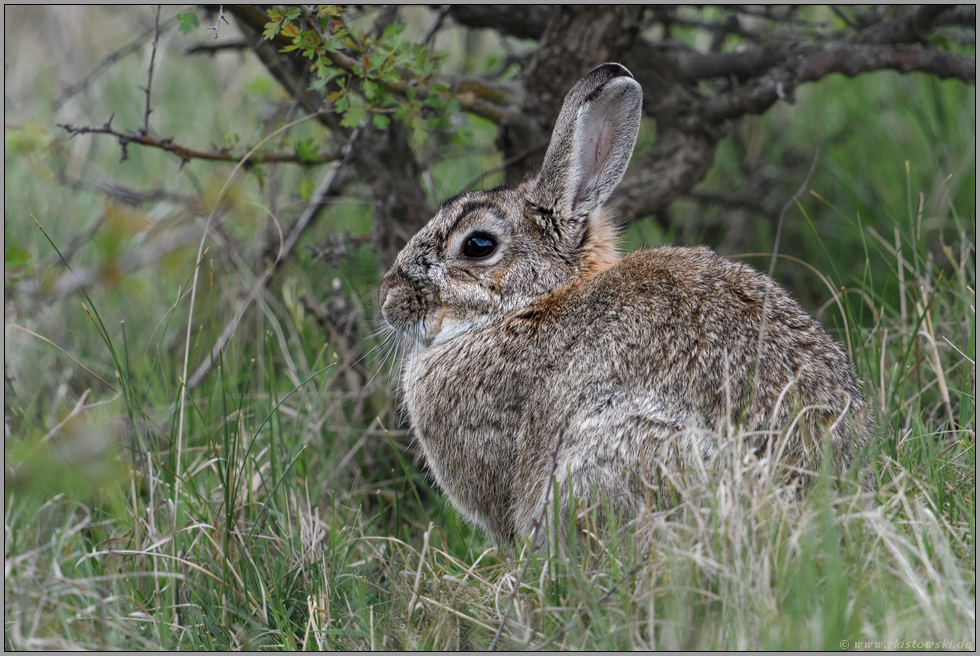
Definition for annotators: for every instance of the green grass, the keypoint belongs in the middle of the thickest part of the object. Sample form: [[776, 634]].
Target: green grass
[[280, 510]]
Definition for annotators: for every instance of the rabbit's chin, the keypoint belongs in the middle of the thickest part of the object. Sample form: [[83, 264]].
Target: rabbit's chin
[[450, 328], [438, 330]]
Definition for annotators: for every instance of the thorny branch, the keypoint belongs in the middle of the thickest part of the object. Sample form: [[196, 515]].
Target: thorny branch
[[693, 95], [149, 77], [211, 48], [490, 102], [221, 17], [185, 153], [73, 89], [436, 25]]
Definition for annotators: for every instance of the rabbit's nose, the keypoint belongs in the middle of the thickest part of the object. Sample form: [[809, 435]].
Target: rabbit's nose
[[402, 305]]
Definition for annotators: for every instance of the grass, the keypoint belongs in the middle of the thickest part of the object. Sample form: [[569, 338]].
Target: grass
[[277, 509]]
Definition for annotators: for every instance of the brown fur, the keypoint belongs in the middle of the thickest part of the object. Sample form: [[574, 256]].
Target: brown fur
[[642, 364]]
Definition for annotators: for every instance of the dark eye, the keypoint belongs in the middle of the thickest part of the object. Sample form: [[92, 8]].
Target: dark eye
[[479, 246]]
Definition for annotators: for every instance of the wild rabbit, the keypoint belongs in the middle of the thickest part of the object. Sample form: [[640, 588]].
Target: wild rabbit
[[521, 323]]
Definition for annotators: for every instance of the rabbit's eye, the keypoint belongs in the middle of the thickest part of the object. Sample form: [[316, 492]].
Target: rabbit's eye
[[479, 246]]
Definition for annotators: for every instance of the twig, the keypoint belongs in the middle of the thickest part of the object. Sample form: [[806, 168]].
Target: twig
[[501, 109], [535, 532], [812, 63], [768, 15], [436, 25], [312, 209], [221, 17], [503, 165], [149, 77], [182, 401], [186, 154], [386, 16], [841, 15], [104, 65], [211, 48], [71, 415], [742, 202], [319, 197], [789, 203]]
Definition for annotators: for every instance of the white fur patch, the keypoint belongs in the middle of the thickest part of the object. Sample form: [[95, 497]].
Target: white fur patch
[[450, 328]]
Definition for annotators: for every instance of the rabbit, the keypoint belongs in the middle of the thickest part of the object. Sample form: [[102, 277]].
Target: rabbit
[[533, 349]]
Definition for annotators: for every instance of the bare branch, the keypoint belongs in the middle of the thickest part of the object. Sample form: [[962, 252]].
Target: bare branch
[[731, 26], [848, 59], [334, 247], [436, 24], [186, 154], [306, 219], [221, 17], [729, 201], [910, 29], [743, 65], [211, 48], [680, 158], [540, 146], [386, 16], [494, 111], [113, 57], [853, 60], [522, 21], [149, 77]]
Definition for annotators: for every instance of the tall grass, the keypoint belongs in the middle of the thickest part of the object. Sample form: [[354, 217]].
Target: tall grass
[[288, 511]]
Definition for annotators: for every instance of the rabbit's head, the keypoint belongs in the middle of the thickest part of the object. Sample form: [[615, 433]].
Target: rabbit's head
[[489, 252]]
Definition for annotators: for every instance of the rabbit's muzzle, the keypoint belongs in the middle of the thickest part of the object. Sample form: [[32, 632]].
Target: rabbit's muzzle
[[404, 305]]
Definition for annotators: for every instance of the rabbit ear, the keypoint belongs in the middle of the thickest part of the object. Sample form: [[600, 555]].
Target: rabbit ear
[[591, 145]]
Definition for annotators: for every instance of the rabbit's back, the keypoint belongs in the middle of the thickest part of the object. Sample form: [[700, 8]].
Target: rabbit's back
[[645, 365]]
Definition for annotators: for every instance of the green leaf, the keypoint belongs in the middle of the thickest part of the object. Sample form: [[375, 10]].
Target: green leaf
[[14, 256], [392, 31], [306, 150], [372, 90], [259, 174], [353, 116], [271, 30], [381, 121], [292, 13], [418, 53], [187, 22], [330, 10], [306, 189], [401, 113], [419, 132], [323, 69]]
